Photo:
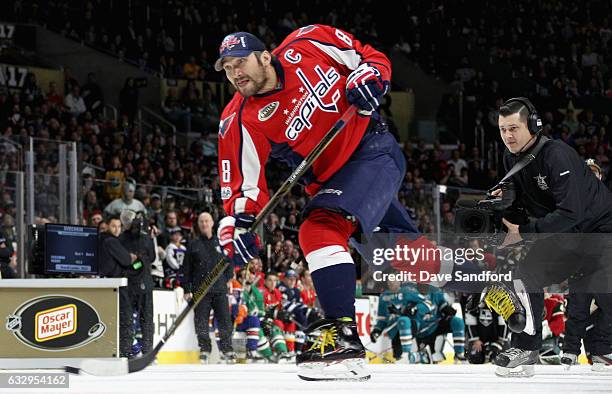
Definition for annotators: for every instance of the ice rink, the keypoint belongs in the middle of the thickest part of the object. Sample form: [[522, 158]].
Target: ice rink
[[406, 379]]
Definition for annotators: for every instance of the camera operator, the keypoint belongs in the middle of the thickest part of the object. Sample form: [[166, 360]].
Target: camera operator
[[563, 198], [202, 254], [137, 239], [116, 262]]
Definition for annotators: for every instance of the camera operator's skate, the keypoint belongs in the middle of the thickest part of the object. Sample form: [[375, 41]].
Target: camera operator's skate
[[332, 351], [516, 362], [513, 306]]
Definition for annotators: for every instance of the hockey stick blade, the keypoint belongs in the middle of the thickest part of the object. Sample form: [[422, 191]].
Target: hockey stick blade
[[100, 367], [141, 363]]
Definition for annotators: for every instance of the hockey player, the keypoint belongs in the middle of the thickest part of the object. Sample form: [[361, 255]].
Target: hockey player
[[247, 310], [286, 101], [435, 317], [487, 335], [293, 305], [278, 321], [394, 311], [309, 296], [559, 191], [553, 328]]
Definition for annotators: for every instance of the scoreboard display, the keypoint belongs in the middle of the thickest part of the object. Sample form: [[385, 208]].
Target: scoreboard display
[[71, 249]]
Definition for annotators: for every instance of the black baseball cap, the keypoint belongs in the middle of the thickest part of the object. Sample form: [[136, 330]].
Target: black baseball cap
[[239, 44]]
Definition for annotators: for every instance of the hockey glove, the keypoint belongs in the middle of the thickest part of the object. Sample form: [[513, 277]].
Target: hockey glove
[[365, 88], [271, 312], [492, 350], [376, 332], [447, 312], [410, 309], [240, 245], [284, 316], [394, 310]]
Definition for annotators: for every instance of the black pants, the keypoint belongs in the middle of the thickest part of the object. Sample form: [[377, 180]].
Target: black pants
[[598, 339], [555, 259], [219, 304], [126, 328], [143, 303]]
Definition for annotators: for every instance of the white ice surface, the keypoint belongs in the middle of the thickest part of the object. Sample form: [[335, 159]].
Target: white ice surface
[[406, 379]]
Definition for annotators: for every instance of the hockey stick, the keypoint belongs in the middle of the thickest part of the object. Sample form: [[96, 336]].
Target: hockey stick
[[95, 367]]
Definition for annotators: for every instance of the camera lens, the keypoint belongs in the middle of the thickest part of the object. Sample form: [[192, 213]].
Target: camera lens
[[474, 222]]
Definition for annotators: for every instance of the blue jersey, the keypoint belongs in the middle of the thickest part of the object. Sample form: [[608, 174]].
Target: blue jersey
[[423, 310]]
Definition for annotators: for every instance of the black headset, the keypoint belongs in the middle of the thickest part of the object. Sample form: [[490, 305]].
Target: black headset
[[534, 123]]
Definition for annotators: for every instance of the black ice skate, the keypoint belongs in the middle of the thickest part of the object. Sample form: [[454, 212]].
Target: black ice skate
[[602, 363], [568, 359], [204, 357], [228, 357], [332, 351], [515, 362], [509, 305]]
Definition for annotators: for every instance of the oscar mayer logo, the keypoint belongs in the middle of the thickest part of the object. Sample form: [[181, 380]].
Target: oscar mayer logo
[[55, 323]]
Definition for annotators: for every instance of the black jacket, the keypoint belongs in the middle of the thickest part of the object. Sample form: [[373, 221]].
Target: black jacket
[[7, 251], [200, 258], [561, 192], [114, 259], [142, 246]]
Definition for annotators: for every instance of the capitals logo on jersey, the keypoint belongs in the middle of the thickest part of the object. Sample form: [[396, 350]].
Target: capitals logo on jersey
[[312, 99]]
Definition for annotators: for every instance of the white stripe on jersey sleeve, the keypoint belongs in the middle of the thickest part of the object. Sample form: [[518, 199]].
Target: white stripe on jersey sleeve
[[349, 58], [240, 205], [251, 168]]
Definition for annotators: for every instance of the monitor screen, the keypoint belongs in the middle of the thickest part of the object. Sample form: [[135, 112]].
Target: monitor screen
[[71, 249]]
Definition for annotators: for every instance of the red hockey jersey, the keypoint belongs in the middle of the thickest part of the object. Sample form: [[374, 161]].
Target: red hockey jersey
[[273, 298], [554, 308], [312, 64]]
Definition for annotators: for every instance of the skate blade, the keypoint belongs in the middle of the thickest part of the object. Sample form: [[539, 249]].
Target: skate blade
[[350, 370], [601, 367], [522, 371]]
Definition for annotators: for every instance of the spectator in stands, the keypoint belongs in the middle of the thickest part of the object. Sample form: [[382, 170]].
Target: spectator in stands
[[173, 70], [457, 162], [114, 180], [96, 218], [210, 110], [127, 202], [8, 263], [74, 102], [176, 112], [128, 99], [191, 69], [156, 213], [92, 94], [171, 221], [30, 92]]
